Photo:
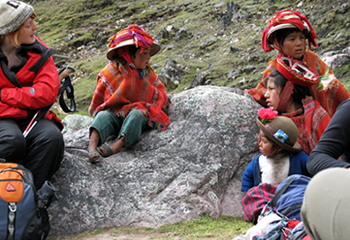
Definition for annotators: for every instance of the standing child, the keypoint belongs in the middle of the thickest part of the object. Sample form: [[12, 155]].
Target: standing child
[[280, 156], [128, 96]]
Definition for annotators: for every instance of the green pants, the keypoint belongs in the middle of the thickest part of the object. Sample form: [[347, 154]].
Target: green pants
[[108, 124], [326, 206]]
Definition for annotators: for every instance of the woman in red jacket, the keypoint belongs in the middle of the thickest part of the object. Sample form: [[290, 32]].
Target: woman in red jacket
[[28, 83]]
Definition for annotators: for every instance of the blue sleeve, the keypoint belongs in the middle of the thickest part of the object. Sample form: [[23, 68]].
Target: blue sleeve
[[248, 175], [298, 164]]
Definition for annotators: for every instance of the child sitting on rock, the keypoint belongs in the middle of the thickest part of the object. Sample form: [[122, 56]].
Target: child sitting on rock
[[129, 95]]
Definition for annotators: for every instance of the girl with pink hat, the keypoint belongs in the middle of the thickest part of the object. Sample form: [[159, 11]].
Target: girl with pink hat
[[129, 95]]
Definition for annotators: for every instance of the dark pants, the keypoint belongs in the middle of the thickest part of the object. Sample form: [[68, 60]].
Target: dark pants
[[41, 151], [108, 124]]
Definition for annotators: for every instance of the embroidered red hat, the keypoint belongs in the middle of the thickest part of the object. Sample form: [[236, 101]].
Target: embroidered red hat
[[132, 35], [296, 72], [286, 19]]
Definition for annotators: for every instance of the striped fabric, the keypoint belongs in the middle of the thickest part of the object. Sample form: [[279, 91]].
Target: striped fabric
[[311, 122], [122, 88], [329, 99], [255, 200]]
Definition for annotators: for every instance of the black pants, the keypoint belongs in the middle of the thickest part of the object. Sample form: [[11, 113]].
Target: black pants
[[41, 151]]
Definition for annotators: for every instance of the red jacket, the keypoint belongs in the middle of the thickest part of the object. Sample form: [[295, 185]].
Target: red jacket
[[32, 85]]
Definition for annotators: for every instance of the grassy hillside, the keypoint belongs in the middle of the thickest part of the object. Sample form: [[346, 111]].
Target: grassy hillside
[[79, 30]]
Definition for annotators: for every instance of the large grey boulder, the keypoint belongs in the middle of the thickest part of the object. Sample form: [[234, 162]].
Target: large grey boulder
[[192, 168]]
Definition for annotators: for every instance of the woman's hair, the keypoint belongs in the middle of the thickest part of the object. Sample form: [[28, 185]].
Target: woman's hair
[[14, 36], [299, 92], [282, 34]]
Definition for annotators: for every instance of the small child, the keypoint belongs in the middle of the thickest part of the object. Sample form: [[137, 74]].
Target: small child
[[280, 155], [129, 95]]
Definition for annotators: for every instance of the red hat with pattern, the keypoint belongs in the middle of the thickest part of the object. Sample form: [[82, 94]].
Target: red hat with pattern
[[286, 19], [132, 35]]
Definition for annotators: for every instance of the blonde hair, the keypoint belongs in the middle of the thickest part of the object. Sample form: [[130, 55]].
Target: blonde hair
[[14, 36]]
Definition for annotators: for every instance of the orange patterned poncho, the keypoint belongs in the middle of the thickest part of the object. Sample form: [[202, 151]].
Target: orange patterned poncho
[[122, 88], [329, 99]]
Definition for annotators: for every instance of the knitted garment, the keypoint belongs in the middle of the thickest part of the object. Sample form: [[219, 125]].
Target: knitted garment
[[134, 32], [329, 99], [122, 88], [311, 124], [132, 35], [13, 15]]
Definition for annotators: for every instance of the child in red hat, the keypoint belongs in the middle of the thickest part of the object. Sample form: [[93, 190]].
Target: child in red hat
[[128, 95], [292, 35]]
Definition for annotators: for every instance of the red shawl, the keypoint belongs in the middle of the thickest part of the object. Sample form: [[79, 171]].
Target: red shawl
[[123, 88], [311, 124], [329, 99]]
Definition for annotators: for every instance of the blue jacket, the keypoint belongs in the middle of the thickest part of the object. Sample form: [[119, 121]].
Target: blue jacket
[[252, 176]]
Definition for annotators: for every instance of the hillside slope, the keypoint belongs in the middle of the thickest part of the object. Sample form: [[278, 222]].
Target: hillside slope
[[79, 30]]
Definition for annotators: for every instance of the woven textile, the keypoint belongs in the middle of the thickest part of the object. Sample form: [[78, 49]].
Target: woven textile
[[329, 99], [123, 88], [311, 123], [256, 199]]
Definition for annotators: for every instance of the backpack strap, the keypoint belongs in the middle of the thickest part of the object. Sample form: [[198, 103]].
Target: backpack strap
[[282, 190]]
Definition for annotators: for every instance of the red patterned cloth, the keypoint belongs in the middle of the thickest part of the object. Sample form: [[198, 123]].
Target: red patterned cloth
[[256, 199], [311, 122], [123, 88], [329, 99]]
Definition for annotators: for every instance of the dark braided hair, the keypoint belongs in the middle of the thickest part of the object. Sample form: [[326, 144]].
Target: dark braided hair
[[299, 92]]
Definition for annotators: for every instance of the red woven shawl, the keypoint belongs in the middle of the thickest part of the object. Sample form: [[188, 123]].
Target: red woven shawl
[[329, 99], [122, 88]]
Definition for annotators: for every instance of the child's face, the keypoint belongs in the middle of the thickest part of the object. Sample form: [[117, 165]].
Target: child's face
[[142, 59], [272, 94], [265, 146], [294, 45]]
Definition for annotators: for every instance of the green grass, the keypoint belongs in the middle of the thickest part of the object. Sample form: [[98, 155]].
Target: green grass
[[204, 227], [91, 22]]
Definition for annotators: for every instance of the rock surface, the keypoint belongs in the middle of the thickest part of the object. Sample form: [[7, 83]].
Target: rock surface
[[192, 168]]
